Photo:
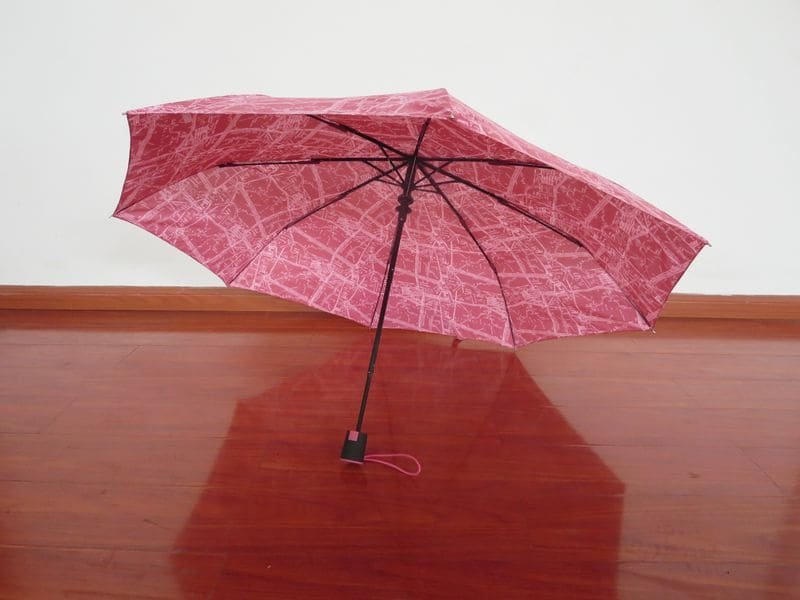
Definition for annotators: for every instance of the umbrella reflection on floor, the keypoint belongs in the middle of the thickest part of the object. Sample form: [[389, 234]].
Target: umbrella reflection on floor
[[503, 506]]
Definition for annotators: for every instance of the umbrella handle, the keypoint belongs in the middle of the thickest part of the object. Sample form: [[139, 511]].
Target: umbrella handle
[[355, 445]]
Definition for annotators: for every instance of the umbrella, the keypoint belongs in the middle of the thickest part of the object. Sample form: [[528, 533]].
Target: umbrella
[[403, 211]]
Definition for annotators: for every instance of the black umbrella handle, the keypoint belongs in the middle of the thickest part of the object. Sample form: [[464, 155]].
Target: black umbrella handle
[[355, 446]]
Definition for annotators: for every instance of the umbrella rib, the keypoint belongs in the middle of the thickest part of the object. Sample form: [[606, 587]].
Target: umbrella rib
[[428, 186], [489, 161], [464, 224], [334, 200], [354, 131], [391, 179], [305, 161], [425, 176], [552, 228], [367, 160], [392, 162], [505, 203]]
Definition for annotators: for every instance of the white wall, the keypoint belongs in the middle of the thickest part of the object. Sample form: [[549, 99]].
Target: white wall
[[691, 104]]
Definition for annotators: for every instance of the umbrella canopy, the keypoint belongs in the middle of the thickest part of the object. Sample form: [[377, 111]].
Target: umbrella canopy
[[296, 198], [335, 203]]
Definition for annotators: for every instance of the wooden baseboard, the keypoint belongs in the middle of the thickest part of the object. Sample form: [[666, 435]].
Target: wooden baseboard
[[236, 300], [701, 306], [142, 298]]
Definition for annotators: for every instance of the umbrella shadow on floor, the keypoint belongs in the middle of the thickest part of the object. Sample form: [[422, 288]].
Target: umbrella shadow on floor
[[509, 503]]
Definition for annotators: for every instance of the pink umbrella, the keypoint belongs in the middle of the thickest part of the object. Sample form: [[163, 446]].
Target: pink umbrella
[[334, 202]]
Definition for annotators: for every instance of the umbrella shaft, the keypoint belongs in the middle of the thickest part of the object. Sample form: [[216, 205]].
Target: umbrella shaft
[[402, 213], [403, 208]]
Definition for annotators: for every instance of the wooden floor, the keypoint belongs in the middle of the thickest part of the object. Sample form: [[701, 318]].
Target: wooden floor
[[184, 455]]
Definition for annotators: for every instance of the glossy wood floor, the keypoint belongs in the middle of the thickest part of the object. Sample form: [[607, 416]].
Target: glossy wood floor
[[153, 455]]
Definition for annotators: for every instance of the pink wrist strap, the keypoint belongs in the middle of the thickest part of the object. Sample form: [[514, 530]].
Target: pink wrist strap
[[379, 458]]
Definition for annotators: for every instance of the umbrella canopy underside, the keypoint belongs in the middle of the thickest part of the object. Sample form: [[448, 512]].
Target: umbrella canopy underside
[[296, 198]]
